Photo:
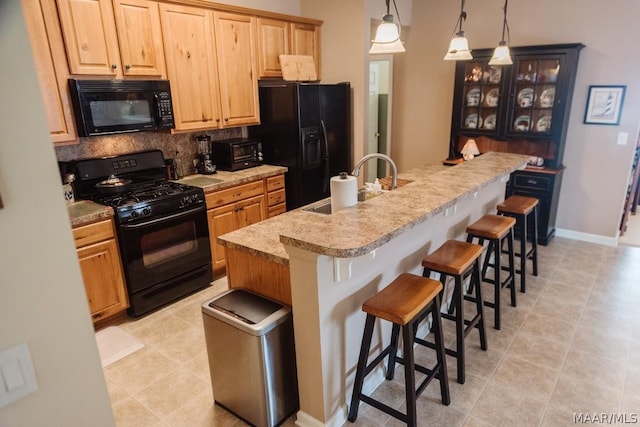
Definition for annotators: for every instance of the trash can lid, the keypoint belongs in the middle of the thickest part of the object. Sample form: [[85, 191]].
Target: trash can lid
[[248, 307]]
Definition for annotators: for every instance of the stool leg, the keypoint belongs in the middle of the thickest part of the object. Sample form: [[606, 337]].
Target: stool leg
[[480, 304], [409, 374], [534, 244], [497, 268], [512, 268], [459, 307], [523, 254], [391, 367], [362, 366], [440, 351]]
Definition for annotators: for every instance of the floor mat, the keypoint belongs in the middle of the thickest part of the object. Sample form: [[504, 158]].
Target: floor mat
[[114, 344]]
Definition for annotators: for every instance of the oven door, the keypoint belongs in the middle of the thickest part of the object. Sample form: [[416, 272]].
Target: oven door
[[160, 250]]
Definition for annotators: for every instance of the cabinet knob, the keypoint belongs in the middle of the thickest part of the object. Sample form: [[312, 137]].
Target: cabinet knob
[[218, 120], [114, 66], [532, 181], [226, 119], [128, 67]]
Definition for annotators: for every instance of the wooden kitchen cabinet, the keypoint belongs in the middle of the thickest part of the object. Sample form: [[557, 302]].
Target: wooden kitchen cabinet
[[211, 65], [99, 260], [51, 67], [278, 37], [521, 108], [140, 37], [229, 210], [92, 31], [237, 73], [276, 196]]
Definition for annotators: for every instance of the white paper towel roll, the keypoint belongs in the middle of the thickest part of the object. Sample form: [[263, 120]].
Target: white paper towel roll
[[344, 192]]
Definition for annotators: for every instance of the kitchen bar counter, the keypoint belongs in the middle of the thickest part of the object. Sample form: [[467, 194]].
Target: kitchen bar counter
[[335, 262], [358, 230]]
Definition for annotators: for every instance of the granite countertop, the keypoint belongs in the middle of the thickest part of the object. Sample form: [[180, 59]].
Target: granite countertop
[[360, 229], [85, 212]]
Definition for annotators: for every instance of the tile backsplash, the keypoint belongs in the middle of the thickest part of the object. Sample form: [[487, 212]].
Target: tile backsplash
[[182, 146]]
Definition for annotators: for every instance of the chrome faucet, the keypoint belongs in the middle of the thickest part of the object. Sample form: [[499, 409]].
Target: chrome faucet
[[394, 169]]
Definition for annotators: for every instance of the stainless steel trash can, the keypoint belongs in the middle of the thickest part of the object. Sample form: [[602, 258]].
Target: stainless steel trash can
[[251, 356]]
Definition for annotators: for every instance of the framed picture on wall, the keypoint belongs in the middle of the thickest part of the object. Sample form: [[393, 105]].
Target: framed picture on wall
[[604, 105]]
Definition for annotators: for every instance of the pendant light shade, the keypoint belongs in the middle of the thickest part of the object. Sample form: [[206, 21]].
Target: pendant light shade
[[502, 55], [459, 45], [387, 35]]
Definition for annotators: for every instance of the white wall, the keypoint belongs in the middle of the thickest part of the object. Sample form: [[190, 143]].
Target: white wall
[[595, 181], [42, 299]]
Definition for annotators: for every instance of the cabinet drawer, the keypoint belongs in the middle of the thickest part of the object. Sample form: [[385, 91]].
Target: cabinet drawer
[[92, 233], [277, 209], [234, 194], [533, 181], [275, 183], [276, 197]]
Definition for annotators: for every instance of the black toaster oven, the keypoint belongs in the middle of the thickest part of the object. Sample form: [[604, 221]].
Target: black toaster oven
[[237, 153]]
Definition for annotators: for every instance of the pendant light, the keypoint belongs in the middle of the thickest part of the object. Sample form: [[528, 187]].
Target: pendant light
[[502, 56], [459, 45], [388, 34]]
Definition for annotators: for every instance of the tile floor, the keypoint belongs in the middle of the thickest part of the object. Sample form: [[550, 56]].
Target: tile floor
[[571, 345]]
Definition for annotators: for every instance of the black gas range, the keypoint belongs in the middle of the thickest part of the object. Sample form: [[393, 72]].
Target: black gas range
[[162, 228]]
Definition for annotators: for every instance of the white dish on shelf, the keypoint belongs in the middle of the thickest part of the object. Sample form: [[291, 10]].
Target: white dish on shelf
[[490, 122], [522, 123], [473, 121], [547, 97], [526, 97], [544, 123], [492, 97], [474, 97]]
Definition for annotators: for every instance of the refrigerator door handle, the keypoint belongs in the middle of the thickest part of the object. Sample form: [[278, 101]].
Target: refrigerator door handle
[[325, 157]]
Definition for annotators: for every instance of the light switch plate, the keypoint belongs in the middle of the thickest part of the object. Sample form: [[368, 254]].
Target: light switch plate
[[17, 376], [622, 138]]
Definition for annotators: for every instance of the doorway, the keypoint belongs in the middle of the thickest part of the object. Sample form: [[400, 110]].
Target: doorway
[[630, 223], [379, 131]]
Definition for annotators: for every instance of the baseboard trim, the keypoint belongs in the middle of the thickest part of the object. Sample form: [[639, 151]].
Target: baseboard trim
[[586, 237]]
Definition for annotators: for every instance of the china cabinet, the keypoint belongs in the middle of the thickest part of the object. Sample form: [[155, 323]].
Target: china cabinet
[[520, 108]]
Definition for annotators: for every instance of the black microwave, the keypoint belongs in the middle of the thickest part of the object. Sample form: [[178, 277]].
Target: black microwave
[[103, 107], [236, 153]]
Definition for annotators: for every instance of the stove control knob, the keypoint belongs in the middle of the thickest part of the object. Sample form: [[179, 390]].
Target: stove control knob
[[146, 211], [134, 214]]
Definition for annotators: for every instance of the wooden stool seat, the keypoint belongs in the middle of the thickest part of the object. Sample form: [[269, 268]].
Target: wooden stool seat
[[519, 205], [491, 227], [405, 302], [524, 210], [458, 260], [403, 298], [496, 229], [453, 257]]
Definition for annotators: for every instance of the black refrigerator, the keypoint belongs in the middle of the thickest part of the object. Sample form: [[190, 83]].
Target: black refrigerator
[[307, 128]]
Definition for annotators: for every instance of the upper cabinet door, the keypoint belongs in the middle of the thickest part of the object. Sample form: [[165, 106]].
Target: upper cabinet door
[[90, 36], [305, 40], [140, 36], [235, 48], [273, 41], [481, 93], [51, 67], [191, 65]]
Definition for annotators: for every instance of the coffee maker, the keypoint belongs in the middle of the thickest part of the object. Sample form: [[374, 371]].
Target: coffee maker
[[205, 159]]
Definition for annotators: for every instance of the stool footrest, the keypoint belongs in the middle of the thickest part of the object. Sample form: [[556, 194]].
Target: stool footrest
[[384, 408]]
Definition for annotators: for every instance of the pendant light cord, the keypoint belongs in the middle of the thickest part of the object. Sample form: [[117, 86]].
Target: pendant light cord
[[461, 17], [505, 25]]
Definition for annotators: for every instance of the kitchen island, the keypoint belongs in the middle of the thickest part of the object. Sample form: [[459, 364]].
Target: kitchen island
[[335, 262]]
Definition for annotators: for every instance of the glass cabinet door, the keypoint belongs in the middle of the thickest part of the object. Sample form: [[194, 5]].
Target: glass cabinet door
[[480, 96], [534, 95]]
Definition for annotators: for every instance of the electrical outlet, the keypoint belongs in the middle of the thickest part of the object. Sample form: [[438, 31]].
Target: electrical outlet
[[622, 138], [17, 376]]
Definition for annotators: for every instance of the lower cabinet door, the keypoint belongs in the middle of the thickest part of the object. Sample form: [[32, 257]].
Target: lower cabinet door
[[250, 211], [103, 280], [221, 221]]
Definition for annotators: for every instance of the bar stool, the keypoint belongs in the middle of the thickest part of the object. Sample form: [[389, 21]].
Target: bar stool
[[496, 229], [524, 210], [404, 302], [459, 259]]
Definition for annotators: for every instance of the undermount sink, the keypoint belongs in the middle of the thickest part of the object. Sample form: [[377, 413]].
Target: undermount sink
[[201, 180], [324, 207]]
